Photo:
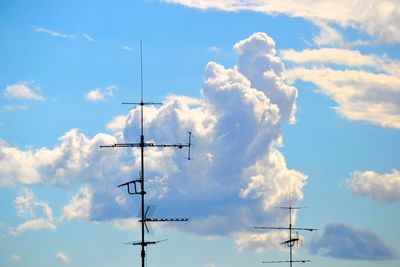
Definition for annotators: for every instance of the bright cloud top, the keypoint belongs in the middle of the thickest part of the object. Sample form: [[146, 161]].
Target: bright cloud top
[[238, 175], [375, 17], [360, 94], [382, 187]]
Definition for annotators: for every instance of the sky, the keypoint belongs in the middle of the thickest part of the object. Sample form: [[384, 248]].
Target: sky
[[284, 98]]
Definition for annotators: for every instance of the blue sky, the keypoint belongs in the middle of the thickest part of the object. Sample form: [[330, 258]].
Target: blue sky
[[309, 91]]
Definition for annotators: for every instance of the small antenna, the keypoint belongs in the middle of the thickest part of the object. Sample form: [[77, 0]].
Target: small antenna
[[293, 240]]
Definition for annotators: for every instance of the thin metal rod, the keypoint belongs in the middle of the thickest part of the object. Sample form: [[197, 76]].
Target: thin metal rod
[[143, 252], [141, 72]]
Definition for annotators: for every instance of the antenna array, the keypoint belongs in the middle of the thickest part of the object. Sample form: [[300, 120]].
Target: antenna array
[[293, 240], [136, 186]]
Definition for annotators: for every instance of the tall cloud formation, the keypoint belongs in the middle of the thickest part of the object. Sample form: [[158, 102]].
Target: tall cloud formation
[[237, 176], [376, 17], [382, 187], [345, 242]]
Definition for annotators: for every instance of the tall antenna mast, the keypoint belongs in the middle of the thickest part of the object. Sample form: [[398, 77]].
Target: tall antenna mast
[[293, 240], [145, 210]]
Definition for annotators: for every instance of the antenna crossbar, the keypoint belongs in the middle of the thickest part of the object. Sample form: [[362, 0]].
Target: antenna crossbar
[[300, 261], [285, 228]]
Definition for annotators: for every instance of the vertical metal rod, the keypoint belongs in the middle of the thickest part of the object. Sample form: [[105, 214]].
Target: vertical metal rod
[[290, 223], [143, 252]]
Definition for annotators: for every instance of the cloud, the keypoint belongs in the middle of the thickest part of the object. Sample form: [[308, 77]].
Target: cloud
[[342, 57], [73, 161], [346, 242], [237, 176], [88, 37], [118, 124], [214, 49], [53, 33], [127, 48], [125, 223], [99, 94], [375, 17], [328, 35], [16, 258], [15, 107], [21, 91], [79, 206], [382, 187], [62, 256], [26, 204], [360, 94]]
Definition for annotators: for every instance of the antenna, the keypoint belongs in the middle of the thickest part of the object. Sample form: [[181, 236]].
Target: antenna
[[293, 240], [138, 184]]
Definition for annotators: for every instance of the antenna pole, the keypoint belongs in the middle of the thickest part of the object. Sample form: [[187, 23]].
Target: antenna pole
[[143, 253], [292, 240], [142, 144], [290, 223]]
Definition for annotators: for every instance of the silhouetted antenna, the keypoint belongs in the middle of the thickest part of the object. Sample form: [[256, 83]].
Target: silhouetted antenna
[[136, 187], [293, 240]]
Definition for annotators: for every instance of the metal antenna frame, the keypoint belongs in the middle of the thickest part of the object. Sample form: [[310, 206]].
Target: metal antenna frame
[[292, 240], [143, 243]]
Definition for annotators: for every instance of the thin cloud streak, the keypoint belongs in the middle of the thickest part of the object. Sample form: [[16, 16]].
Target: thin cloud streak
[[53, 33]]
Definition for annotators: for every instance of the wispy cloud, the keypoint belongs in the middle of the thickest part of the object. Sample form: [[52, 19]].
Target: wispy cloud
[[214, 49], [382, 187], [127, 48], [20, 107], [63, 256], [26, 204], [16, 257], [346, 242], [88, 37], [21, 91], [99, 94], [53, 33]]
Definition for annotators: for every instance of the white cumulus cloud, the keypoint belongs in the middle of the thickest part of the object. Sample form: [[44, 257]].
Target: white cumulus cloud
[[236, 178], [382, 187]]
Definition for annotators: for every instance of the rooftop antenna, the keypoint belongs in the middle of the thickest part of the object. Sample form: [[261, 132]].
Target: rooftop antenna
[[293, 240], [138, 184]]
